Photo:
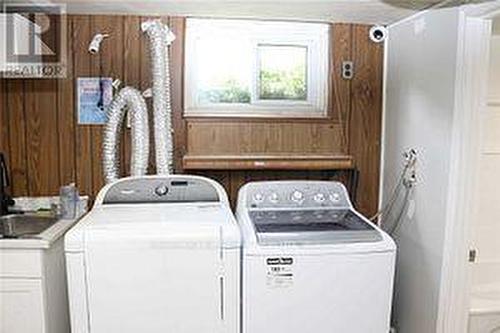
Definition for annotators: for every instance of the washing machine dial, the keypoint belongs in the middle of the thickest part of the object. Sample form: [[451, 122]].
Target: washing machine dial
[[297, 196], [274, 198], [258, 198], [335, 197], [319, 197]]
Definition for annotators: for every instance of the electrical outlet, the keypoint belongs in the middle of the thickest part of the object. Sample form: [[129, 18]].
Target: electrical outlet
[[347, 70]]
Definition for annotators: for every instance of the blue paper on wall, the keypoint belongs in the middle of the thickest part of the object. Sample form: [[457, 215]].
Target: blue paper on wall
[[94, 96]]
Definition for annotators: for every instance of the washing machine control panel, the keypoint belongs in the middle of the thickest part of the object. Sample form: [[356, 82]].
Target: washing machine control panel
[[294, 194]]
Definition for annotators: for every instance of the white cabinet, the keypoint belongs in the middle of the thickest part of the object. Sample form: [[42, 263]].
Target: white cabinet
[[33, 292], [21, 306]]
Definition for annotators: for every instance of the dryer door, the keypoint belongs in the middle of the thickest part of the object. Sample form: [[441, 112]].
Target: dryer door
[[158, 280]]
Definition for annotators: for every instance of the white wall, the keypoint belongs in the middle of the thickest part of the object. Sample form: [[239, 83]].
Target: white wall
[[420, 94]]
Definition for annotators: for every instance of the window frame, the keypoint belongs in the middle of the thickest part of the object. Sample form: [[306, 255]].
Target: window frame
[[314, 36]]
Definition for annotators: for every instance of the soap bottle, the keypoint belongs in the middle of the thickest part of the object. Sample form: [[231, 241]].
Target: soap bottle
[[68, 196]]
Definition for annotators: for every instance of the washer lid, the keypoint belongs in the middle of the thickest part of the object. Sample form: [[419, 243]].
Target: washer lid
[[312, 227]]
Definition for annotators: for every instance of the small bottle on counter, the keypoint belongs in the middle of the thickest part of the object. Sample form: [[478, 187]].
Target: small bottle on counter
[[68, 196]]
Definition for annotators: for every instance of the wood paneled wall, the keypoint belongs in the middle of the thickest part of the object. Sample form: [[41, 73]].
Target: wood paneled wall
[[46, 147]]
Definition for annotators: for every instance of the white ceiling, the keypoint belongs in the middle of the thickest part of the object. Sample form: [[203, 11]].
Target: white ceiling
[[356, 11]]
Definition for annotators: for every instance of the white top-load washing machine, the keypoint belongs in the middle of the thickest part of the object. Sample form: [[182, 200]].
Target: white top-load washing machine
[[156, 254], [311, 263]]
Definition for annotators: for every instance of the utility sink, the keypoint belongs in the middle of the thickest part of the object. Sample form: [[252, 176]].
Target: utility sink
[[24, 225]]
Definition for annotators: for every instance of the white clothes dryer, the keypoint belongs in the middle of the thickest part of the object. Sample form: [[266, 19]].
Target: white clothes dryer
[[156, 254]]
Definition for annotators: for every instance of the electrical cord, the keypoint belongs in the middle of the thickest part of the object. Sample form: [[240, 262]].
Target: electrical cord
[[397, 222], [395, 192]]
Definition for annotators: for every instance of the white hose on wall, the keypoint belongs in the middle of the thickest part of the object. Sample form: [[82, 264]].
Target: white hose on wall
[[160, 37], [131, 99]]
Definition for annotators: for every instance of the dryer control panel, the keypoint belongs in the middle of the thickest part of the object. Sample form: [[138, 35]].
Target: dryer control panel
[[297, 194], [166, 189]]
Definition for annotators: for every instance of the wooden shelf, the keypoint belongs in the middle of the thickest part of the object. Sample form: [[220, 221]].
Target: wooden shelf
[[302, 162]]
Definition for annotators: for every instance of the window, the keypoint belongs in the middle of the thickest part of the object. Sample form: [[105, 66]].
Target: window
[[256, 68]]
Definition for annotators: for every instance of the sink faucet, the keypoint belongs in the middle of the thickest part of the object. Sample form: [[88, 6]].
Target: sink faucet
[[5, 200]]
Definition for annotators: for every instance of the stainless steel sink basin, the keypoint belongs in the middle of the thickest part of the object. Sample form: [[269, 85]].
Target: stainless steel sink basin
[[24, 226]]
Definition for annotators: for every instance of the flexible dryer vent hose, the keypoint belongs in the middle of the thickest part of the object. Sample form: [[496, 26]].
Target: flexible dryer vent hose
[[131, 99], [160, 38]]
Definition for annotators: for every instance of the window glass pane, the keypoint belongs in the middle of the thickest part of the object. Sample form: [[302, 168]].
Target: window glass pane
[[224, 71], [282, 72]]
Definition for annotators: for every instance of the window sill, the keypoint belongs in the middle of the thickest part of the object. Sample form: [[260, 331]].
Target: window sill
[[256, 112], [269, 162]]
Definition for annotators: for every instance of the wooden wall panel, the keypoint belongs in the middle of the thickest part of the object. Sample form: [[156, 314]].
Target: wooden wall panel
[[177, 24], [47, 148], [263, 138], [4, 124], [340, 42], [366, 116], [15, 103], [83, 137], [4, 119], [66, 117], [42, 137], [107, 63]]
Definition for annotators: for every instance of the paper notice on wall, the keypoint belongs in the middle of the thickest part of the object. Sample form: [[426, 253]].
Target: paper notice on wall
[[94, 96]]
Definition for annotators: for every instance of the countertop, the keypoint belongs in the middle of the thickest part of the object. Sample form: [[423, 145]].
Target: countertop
[[51, 234], [43, 240]]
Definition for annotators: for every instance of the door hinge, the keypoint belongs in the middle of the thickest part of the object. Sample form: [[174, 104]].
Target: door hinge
[[472, 255]]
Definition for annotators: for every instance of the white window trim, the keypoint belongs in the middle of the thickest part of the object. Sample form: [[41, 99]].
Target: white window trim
[[313, 36]]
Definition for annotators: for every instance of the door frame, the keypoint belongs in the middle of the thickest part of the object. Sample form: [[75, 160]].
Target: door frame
[[470, 100]]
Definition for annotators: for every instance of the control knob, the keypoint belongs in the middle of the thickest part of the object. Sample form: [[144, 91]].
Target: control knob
[[319, 197], [297, 196], [258, 198], [273, 198], [335, 197], [161, 190]]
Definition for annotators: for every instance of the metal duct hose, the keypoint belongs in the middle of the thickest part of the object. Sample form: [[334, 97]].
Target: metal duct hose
[[132, 99], [160, 37]]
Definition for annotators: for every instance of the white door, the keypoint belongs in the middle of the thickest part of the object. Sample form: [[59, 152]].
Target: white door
[[21, 306]]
